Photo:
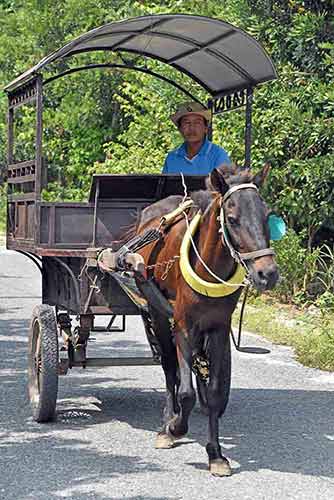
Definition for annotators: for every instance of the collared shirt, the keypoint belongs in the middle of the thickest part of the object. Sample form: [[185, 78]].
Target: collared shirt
[[208, 157]]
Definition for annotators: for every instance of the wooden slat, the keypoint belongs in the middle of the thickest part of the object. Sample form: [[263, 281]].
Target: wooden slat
[[21, 179], [14, 172], [20, 244], [19, 164], [63, 250], [52, 226], [66, 204], [21, 197], [23, 101]]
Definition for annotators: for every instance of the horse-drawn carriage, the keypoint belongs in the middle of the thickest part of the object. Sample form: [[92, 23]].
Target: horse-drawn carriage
[[66, 240]]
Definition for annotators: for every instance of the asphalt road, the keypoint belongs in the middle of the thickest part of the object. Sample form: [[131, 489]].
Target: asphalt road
[[278, 429]]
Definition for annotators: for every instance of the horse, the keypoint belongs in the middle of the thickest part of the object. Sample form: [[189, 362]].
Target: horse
[[232, 238]]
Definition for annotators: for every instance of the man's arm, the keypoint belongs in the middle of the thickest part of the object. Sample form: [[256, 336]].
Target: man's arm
[[165, 167]]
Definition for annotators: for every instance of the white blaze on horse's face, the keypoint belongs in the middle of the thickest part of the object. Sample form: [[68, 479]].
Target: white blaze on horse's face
[[246, 223]]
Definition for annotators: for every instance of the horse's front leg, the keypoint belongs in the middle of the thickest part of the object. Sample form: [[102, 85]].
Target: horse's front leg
[[218, 342], [186, 396], [169, 365], [164, 439]]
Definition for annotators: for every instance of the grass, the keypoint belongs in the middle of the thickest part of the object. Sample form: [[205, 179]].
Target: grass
[[309, 331]]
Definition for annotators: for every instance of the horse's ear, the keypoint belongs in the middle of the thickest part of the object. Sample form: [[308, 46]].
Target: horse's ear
[[218, 182], [259, 178]]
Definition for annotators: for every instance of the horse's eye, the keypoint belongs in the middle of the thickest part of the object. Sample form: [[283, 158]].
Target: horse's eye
[[232, 220]]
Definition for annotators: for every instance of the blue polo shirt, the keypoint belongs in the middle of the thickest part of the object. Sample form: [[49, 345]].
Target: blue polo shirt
[[208, 157]]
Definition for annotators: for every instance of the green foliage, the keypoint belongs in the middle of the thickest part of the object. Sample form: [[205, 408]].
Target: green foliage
[[311, 334], [298, 267], [325, 271], [142, 146], [118, 122], [325, 297]]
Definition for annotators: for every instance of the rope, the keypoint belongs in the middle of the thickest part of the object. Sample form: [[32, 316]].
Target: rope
[[184, 188], [238, 342]]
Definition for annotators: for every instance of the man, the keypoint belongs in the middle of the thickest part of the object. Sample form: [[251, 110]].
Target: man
[[197, 155]]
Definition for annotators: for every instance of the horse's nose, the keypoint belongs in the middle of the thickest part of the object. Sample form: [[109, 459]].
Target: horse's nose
[[268, 277]]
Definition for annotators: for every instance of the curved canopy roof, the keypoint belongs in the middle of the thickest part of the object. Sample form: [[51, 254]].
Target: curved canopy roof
[[216, 54]]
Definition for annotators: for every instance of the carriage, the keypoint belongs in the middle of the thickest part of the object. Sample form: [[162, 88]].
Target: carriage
[[64, 240]]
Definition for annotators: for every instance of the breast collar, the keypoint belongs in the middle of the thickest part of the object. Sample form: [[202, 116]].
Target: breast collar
[[223, 288]]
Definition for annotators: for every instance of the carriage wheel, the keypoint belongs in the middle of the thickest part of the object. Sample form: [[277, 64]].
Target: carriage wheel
[[43, 363], [201, 387]]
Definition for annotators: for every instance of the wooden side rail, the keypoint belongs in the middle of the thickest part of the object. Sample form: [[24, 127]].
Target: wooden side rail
[[21, 172], [23, 95]]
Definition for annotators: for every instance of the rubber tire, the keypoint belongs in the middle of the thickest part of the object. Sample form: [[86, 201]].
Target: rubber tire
[[43, 383], [201, 387]]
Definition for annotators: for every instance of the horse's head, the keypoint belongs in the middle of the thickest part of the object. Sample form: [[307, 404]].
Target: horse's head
[[244, 222]]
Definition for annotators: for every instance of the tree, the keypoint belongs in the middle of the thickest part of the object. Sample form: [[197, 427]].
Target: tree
[[112, 121]]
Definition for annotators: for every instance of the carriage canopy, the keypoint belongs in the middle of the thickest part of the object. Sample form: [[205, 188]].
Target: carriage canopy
[[217, 55]]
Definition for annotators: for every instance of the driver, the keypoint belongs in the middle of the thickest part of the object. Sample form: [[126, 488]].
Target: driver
[[197, 155]]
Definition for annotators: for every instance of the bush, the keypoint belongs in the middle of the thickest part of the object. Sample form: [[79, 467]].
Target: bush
[[297, 265]]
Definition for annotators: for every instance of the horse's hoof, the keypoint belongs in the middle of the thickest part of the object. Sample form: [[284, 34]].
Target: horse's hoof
[[164, 441], [173, 434], [220, 468]]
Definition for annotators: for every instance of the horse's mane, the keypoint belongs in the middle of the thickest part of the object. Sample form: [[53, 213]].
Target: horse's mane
[[202, 199], [233, 175]]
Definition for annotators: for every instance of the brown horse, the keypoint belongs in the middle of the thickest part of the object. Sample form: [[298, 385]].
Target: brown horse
[[233, 226]]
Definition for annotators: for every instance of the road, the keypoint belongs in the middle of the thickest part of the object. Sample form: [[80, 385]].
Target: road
[[278, 429]]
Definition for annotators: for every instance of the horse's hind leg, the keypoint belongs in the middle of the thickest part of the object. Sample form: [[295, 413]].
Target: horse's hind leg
[[218, 464]]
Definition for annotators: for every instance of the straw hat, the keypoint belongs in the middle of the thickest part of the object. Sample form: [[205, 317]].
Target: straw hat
[[189, 108]]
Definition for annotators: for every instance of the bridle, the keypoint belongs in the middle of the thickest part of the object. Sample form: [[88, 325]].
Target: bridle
[[239, 257], [239, 278]]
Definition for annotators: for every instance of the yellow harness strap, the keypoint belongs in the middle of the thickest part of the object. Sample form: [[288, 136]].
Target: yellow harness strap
[[194, 281], [168, 219]]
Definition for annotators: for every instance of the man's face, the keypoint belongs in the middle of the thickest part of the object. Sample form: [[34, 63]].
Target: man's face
[[193, 128]]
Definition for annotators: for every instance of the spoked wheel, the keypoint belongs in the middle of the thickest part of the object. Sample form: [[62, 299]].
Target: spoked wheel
[[43, 363], [226, 383]]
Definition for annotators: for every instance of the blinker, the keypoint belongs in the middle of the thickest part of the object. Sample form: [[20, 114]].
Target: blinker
[[277, 227]]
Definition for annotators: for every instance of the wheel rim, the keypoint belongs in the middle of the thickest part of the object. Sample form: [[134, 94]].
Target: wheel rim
[[36, 360]]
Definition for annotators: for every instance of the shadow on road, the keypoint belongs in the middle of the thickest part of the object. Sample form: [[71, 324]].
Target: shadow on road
[[279, 430], [261, 429]]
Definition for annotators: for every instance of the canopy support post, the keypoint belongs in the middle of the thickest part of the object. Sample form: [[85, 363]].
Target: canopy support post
[[38, 157], [248, 127], [210, 128]]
